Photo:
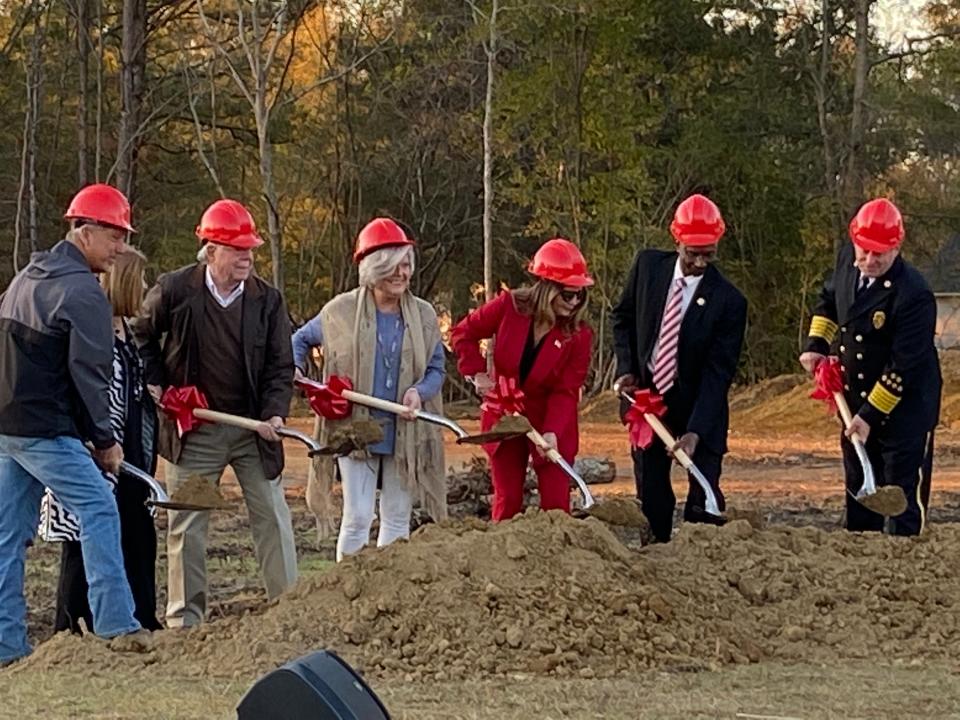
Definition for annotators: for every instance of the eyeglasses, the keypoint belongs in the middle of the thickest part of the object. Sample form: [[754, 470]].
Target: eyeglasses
[[571, 295]]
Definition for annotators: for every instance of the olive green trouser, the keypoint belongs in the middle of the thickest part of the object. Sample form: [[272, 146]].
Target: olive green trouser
[[207, 451]]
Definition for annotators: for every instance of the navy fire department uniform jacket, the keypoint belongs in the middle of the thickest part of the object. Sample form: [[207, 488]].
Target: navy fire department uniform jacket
[[884, 338]]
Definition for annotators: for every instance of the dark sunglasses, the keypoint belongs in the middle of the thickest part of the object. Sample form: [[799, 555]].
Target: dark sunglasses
[[571, 295]]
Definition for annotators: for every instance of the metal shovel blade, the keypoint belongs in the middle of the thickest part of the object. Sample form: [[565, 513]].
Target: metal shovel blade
[[340, 450], [888, 500], [170, 505], [509, 426]]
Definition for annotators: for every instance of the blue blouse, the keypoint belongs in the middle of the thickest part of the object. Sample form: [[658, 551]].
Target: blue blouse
[[386, 369]]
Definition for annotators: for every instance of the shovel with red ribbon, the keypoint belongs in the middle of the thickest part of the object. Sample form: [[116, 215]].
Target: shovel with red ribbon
[[887, 500], [506, 401], [333, 399], [188, 407], [643, 421]]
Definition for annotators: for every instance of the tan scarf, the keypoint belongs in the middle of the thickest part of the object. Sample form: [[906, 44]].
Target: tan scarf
[[350, 347]]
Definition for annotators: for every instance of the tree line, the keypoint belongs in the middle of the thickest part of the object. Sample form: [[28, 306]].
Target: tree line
[[487, 123]]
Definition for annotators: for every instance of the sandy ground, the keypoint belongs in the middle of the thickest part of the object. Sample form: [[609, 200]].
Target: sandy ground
[[789, 478]]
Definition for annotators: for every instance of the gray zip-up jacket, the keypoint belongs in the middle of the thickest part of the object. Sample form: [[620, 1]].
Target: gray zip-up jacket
[[56, 350]]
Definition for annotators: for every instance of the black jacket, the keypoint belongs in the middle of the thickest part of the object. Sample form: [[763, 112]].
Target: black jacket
[[56, 350], [168, 332], [885, 341], [711, 336]]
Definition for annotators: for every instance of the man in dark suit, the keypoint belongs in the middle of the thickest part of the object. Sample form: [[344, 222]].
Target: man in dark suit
[[879, 313], [678, 330]]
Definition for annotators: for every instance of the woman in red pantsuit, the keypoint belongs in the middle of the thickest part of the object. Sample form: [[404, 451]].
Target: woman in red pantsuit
[[541, 341]]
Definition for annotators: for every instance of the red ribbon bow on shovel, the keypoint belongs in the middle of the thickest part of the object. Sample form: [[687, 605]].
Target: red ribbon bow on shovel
[[505, 398], [828, 380], [327, 400], [179, 403], [640, 431]]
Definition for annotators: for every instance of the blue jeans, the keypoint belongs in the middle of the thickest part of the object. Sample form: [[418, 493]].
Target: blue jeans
[[66, 468]]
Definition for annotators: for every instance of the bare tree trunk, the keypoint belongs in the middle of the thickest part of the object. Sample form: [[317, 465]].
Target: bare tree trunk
[[34, 90], [821, 88], [270, 194], [83, 54], [33, 77], [488, 157], [133, 61], [98, 156], [260, 57], [854, 181], [209, 163]]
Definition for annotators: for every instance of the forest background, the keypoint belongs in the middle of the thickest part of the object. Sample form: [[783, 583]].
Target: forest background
[[489, 126]]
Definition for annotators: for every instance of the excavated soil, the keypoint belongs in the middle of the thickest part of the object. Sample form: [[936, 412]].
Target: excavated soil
[[550, 594], [199, 492], [512, 424], [355, 435]]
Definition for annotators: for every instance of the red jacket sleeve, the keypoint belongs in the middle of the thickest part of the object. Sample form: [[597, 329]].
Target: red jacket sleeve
[[565, 396], [479, 325]]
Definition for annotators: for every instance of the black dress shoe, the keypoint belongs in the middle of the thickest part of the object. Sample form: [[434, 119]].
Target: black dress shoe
[[696, 514]]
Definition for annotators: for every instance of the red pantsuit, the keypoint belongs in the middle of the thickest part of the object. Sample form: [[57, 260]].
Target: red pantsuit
[[551, 395]]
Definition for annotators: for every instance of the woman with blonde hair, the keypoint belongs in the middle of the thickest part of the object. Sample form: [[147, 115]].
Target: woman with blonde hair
[[387, 341], [133, 419], [542, 344]]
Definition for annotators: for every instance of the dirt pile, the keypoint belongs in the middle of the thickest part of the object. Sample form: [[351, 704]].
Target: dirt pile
[[550, 594]]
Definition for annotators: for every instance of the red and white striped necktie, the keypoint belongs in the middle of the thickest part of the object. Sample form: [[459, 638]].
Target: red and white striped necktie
[[665, 367]]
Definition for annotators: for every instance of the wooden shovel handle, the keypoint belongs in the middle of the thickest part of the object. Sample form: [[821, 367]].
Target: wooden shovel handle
[[552, 454], [227, 419], [660, 429], [375, 402], [844, 409]]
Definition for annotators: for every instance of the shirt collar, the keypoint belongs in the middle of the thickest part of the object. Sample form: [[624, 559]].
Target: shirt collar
[[222, 301], [690, 281]]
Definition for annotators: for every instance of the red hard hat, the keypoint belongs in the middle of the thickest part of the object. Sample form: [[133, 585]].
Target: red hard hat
[[228, 222], [102, 204], [697, 222], [877, 226], [562, 262], [379, 233]]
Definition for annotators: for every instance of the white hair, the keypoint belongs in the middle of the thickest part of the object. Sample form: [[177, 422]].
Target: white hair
[[202, 253], [381, 264]]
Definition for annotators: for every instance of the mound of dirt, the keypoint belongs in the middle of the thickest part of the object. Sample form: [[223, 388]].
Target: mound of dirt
[[780, 408], [744, 397], [605, 407], [550, 594]]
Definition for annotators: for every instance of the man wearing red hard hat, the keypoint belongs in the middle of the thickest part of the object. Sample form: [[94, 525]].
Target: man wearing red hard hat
[[56, 345], [219, 326], [678, 330], [878, 314]]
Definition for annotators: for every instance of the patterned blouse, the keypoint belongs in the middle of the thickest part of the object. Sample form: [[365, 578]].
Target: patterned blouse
[[57, 524]]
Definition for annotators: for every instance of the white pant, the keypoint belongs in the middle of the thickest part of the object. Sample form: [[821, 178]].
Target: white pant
[[359, 478]]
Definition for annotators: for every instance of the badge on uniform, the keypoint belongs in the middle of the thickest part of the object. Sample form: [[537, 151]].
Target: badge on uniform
[[879, 318]]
